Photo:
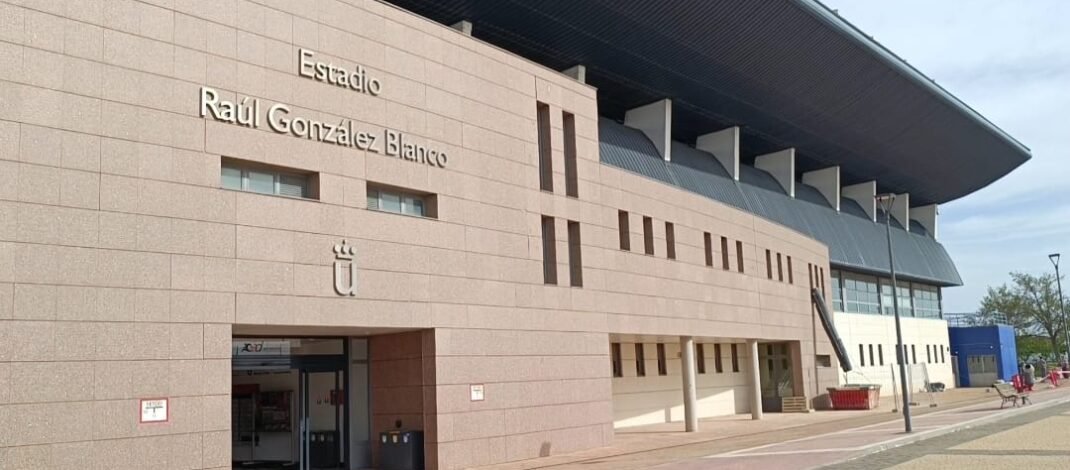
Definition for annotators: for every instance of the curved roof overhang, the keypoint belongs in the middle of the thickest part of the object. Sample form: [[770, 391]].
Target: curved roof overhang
[[790, 73]]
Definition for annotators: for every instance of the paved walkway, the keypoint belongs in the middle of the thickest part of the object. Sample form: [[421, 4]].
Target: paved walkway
[[785, 440]]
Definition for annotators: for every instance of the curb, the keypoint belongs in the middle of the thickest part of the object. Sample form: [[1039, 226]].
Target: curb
[[921, 436]]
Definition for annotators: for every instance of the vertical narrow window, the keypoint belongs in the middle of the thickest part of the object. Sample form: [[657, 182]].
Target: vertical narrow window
[[861, 355], [913, 355], [648, 235], [670, 240], [700, 358], [821, 278], [779, 267], [624, 230], [928, 354], [640, 360], [572, 183], [880, 353], [663, 366], [718, 363], [810, 272], [549, 251], [739, 256], [707, 242], [724, 254], [871, 361], [615, 360], [546, 156], [791, 272], [943, 359], [735, 358], [575, 258], [768, 264]]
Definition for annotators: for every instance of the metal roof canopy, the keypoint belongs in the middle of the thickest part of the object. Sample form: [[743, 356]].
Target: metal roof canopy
[[790, 73]]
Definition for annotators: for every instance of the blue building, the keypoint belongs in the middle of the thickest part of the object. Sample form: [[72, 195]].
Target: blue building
[[984, 354]]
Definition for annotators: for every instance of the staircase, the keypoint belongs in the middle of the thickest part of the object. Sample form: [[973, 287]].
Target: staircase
[[794, 405]]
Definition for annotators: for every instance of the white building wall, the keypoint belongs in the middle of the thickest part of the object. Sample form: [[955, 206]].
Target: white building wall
[[659, 399], [866, 329]]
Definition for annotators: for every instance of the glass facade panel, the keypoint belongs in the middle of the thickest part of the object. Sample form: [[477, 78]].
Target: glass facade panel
[[260, 182], [926, 301], [231, 178], [905, 305], [390, 202], [860, 293], [397, 202], [837, 291]]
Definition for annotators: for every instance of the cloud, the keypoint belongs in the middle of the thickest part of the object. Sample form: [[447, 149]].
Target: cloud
[[1008, 61]]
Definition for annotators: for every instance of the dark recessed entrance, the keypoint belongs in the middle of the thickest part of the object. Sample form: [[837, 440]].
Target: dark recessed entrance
[[296, 401]]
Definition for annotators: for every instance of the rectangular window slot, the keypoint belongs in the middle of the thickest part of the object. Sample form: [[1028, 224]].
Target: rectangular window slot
[[546, 156], [663, 366], [861, 355], [572, 188], [739, 256], [670, 240], [768, 264], [575, 260], [648, 235], [791, 272], [402, 201], [735, 358], [640, 361], [549, 251], [779, 268], [700, 358], [241, 175], [718, 362], [707, 242], [624, 231], [724, 254], [615, 360]]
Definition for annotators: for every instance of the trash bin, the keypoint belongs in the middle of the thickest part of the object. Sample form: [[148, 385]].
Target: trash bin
[[401, 450], [323, 449], [855, 396]]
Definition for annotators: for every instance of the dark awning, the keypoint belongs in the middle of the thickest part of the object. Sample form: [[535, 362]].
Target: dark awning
[[791, 73]]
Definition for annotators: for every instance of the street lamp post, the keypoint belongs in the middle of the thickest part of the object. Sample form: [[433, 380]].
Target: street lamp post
[[1054, 257], [886, 201]]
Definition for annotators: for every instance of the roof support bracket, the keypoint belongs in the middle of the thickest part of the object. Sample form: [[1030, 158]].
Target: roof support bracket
[[827, 182], [464, 26], [927, 216], [901, 210], [865, 195], [782, 166], [724, 146], [655, 121]]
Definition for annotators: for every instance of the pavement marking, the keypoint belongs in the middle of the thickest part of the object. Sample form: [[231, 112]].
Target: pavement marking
[[885, 444]]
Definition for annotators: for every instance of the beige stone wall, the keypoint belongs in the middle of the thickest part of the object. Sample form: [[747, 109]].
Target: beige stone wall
[[866, 329], [124, 268]]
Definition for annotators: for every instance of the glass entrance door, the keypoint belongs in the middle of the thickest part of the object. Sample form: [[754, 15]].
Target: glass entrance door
[[322, 416]]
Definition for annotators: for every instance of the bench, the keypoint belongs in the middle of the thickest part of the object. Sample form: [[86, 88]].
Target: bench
[[1009, 395]]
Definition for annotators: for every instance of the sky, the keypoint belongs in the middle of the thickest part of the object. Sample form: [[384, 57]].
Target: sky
[[1010, 61]]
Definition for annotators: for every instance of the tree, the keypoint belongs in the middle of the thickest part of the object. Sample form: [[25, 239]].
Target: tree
[[1031, 304]]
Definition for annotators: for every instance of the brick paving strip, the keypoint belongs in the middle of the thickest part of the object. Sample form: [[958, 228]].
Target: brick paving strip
[[658, 445], [944, 444]]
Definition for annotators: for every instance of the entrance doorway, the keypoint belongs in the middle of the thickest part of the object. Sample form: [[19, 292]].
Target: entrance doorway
[[776, 374], [291, 403]]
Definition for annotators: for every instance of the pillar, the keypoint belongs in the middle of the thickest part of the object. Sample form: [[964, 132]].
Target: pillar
[[687, 364], [755, 380]]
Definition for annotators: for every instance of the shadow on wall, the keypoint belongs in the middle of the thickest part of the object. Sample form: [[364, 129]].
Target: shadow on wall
[[653, 404], [544, 450]]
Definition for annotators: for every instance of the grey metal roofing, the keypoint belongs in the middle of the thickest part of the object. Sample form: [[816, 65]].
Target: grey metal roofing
[[854, 241], [790, 73]]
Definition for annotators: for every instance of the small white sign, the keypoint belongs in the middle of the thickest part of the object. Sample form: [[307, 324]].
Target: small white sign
[[154, 410], [477, 392]]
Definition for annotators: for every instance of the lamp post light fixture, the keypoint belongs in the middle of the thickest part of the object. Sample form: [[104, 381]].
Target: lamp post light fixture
[[886, 201], [1054, 257]]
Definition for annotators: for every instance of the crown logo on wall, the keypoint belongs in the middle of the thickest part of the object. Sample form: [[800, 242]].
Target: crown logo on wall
[[344, 251]]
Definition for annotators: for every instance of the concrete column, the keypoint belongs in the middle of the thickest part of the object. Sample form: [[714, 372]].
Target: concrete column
[[577, 72], [724, 146], [655, 120], [687, 364], [755, 380], [782, 166]]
